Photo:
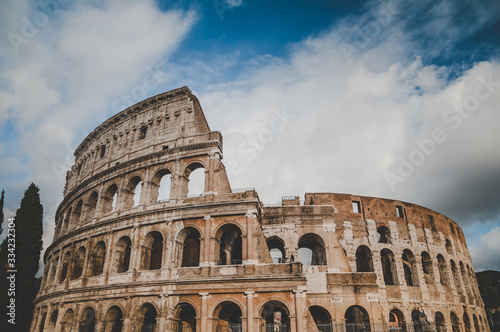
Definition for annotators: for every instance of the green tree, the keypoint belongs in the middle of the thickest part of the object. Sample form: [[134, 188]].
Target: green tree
[[28, 227], [489, 286], [1, 211]]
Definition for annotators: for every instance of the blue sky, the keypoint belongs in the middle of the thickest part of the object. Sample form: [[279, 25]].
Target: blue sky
[[366, 88]]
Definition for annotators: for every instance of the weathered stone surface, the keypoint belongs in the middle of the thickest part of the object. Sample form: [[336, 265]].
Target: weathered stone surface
[[221, 259]]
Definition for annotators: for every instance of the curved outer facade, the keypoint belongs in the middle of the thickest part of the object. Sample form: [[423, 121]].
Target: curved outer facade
[[164, 260]]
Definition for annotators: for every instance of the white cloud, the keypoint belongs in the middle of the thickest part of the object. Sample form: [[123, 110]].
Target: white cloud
[[65, 77], [487, 254], [233, 3], [355, 117]]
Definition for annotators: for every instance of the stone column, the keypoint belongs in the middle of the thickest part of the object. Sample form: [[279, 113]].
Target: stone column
[[135, 248], [205, 254], [161, 315], [109, 256], [299, 296], [420, 273], [34, 321], [127, 323], [60, 315], [250, 218], [204, 311], [98, 317], [88, 247], [398, 262], [250, 313], [210, 174], [335, 254]]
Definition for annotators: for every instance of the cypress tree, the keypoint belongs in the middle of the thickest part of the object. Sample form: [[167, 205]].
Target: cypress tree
[[1, 211], [4, 282], [28, 226]]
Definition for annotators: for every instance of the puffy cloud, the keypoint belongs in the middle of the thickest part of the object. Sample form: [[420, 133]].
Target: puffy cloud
[[233, 3], [58, 81], [485, 255]]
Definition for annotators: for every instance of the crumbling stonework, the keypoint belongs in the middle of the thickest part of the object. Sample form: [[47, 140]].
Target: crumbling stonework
[[165, 260]]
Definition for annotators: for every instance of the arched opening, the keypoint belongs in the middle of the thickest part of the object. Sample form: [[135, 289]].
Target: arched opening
[[121, 260], [91, 206], [133, 192], [195, 178], [312, 250], [230, 241], [109, 199], [276, 248], [448, 247], [68, 321], [383, 235], [275, 317], [396, 321], [53, 320], [476, 323], [419, 320], [87, 321], [152, 251], [146, 318], [466, 322], [78, 263], [389, 267], [65, 265], [456, 277], [455, 323], [443, 271], [410, 268], [322, 318], [190, 247], [364, 261], [228, 317], [77, 214], [42, 322], [113, 320], [186, 315], [357, 319], [163, 179], [97, 259], [440, 323], [427, 268]]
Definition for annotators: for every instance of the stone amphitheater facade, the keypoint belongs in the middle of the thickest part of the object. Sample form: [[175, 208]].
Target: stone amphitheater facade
[[133, 250]]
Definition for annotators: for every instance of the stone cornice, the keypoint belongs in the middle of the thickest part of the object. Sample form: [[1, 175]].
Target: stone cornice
[[134, 109]]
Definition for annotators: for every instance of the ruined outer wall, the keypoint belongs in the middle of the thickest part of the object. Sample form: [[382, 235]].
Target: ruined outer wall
[[440, 266]]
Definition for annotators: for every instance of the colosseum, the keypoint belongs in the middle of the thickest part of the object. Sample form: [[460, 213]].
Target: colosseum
[[136, 248]]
